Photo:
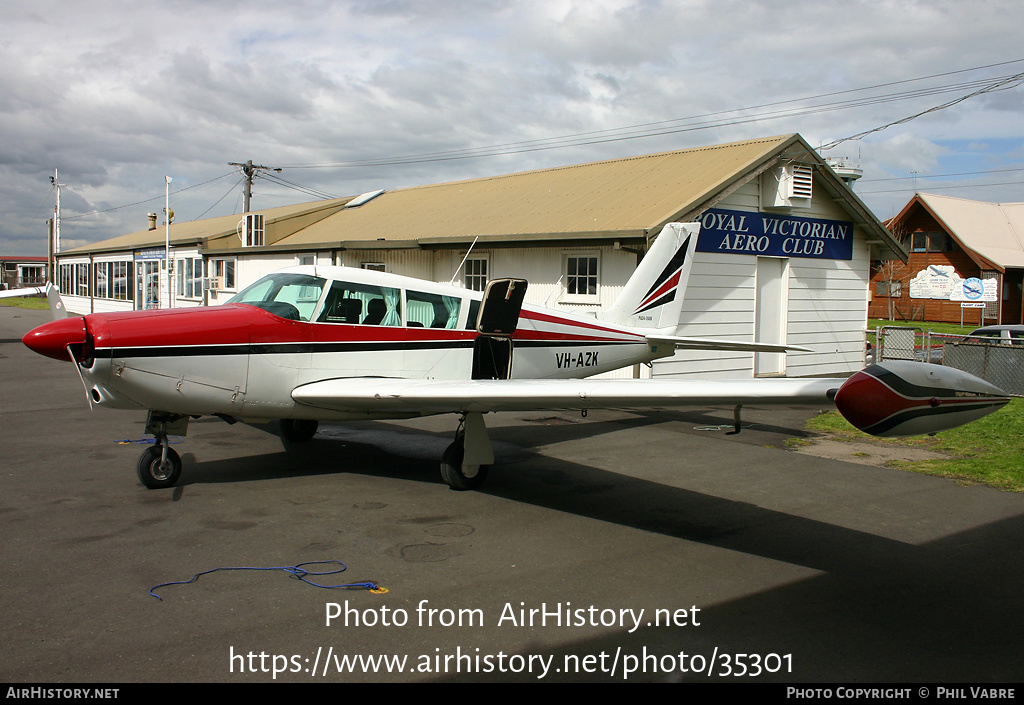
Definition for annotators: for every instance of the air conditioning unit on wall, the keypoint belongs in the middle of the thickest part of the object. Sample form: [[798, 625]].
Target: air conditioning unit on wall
[[788, 186]]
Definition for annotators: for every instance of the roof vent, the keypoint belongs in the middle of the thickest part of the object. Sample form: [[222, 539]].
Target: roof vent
[[801, 180], [364, 198], [788, 186]]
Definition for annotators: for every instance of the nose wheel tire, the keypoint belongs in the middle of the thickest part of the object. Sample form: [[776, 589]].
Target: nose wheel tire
[[458, 476], [156, 473]]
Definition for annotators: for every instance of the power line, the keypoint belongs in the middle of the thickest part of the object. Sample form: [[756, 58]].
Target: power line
[[940, 188], [705, 121], [233, 187], [148, 200], [940, 176], [273, 178]]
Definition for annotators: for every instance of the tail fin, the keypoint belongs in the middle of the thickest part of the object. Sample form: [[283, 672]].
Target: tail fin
[[653, 296]]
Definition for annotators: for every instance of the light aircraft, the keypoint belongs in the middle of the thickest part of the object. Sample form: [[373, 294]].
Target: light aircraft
[[312, 343]]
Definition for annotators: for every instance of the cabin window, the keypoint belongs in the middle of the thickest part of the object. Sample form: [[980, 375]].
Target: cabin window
[[362, 303], [431, 310], [474, 314], [288, 295]]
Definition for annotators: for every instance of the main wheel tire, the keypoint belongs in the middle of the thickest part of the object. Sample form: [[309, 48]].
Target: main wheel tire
[[152, 475], [453, 473], [298, 430]]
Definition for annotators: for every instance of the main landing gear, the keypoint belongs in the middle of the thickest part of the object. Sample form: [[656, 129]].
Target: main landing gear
[[160, 465], [465, 462]]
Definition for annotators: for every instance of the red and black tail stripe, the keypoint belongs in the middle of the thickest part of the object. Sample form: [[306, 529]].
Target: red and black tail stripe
[[667, 283]]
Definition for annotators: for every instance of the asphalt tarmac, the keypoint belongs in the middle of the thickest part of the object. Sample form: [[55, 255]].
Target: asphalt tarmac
[[618, 547]]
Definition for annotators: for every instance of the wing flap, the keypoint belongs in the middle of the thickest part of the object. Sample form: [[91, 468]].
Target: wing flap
[[439, 396]]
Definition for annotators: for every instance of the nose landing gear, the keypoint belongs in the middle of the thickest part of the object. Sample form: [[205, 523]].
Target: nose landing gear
[[160, 465]]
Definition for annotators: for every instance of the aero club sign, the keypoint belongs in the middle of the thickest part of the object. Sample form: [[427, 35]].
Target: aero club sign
[[748, 233]]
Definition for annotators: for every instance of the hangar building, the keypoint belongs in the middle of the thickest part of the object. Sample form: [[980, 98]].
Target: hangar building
[[784, 254]]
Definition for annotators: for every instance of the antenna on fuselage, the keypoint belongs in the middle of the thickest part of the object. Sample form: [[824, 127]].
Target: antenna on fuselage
[[452, 280]]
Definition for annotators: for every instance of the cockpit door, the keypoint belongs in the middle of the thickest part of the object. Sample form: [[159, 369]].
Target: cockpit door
[[499, 312], [495, 324]]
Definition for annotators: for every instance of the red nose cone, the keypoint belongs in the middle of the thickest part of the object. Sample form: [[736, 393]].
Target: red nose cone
[[52, 339]]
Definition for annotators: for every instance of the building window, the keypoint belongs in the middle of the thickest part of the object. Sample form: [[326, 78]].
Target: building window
[[581, 277], [305, 259], [475, 277], [374, 266], [223, 273], [190, 277], [253, 234], [31, 275], [884, 288], [112, 280], [931, 242]]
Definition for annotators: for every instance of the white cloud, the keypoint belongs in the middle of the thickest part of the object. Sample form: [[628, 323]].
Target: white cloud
[[120, 94]]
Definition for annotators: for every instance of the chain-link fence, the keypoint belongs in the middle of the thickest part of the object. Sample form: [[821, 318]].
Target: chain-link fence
[[1000, 363], [996, 360]]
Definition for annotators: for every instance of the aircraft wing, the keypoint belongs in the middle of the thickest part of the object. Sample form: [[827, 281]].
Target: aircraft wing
[[895, 398], [440, 396], [28, 291]]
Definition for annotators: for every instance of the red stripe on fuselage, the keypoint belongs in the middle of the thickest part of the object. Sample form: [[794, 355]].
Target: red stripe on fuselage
[[533, 315], [240, 324]]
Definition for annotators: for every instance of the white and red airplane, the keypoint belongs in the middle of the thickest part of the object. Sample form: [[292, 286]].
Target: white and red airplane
[[312, 343]]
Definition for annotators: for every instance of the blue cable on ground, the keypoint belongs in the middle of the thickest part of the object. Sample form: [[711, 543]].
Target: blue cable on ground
[[296, 571]]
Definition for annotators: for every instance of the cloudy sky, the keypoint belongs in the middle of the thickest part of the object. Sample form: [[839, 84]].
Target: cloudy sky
[[349, 97]]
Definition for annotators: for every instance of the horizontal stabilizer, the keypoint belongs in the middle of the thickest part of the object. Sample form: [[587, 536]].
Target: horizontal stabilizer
[[685, 343]]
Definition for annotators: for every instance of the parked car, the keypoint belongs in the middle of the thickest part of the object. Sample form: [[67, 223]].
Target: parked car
[[1007, 335]]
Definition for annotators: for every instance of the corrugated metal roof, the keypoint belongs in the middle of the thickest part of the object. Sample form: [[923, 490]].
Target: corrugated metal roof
[[993, 230], [200, 230], [629, 195]]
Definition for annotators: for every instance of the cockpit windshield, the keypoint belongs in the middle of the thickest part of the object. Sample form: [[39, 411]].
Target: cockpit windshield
[[288, 295]]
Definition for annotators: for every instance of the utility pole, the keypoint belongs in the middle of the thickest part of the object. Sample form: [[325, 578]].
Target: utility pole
[[168, 262], [56, 218], [249, 171], [54, 234]]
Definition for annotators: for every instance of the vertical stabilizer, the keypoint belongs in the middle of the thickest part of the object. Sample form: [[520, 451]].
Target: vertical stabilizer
[[653, 296]]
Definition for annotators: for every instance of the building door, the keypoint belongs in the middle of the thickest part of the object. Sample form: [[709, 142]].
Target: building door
[[770, 313], [147, 284]]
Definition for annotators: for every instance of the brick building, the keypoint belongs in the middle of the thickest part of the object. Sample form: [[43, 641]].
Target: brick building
[[977, 239]]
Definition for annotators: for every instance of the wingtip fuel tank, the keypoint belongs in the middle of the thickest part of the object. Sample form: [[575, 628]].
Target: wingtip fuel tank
[[902, 398]]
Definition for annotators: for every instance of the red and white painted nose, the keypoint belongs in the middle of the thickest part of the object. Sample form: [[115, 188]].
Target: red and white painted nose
[[903, 398], [54, 339]]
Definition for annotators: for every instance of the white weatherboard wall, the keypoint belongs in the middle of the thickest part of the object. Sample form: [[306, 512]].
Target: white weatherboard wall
[[826, 303]]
